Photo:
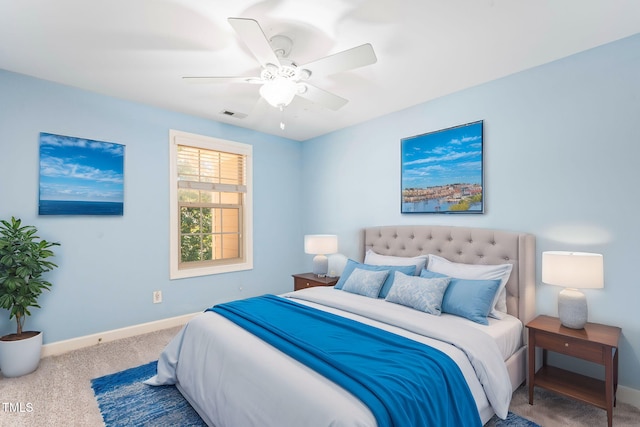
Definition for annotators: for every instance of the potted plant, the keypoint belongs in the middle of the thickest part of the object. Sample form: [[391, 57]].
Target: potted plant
[[23, 261]]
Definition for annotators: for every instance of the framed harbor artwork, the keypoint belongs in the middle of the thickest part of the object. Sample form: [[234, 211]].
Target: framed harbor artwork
[[442, 171], [80, 176]]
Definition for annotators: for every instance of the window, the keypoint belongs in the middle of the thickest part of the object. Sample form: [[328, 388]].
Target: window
[[211, 211]]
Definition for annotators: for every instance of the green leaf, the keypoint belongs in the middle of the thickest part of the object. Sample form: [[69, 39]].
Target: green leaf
[[23, 260]]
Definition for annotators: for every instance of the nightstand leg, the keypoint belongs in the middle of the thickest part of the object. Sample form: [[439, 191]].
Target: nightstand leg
[[615, 376], [609, 387], [532, 364]]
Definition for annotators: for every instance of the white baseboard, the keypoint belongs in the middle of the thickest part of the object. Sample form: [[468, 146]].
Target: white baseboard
[[60, 347], [628, 395]]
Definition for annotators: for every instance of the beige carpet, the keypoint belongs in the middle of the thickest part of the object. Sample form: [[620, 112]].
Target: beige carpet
[[550, 410], [59, 393]]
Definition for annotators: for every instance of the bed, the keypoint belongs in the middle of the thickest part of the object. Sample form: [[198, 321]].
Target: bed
[[233, 378]]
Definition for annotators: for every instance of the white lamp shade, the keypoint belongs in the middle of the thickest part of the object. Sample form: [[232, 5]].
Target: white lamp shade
[[320, 244], [573, 269]]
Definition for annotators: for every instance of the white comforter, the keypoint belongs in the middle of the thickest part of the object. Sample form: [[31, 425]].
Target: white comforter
[[233, 378]]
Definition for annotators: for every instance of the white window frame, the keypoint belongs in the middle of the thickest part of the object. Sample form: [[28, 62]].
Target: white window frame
[[208, 143]]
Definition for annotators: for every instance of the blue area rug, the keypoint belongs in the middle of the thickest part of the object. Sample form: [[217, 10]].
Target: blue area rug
[[512, 420], [125, 401]]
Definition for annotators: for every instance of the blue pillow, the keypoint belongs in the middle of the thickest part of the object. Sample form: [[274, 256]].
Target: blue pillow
[[418, 292], [471, 299], [365, 282], [352, 265], [428, 274]]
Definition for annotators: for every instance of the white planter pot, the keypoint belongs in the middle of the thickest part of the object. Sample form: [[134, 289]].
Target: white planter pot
[[20, 357]]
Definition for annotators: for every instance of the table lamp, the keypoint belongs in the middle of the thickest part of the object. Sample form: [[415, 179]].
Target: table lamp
[[320, 245], [572, 270]]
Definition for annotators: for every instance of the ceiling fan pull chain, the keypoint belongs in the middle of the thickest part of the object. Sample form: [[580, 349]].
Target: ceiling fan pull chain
[[282, 117]]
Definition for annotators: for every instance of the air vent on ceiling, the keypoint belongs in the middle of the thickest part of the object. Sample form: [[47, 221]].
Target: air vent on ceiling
[[233, 114]]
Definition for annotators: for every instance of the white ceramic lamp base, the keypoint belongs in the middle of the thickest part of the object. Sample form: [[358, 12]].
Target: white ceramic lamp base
[[572, 308], [320, 265]]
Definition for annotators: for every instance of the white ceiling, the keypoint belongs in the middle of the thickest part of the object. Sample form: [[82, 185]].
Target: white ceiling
[[139, 49]]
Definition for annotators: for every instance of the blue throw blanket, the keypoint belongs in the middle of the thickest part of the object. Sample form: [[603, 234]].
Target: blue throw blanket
[[404, 383]]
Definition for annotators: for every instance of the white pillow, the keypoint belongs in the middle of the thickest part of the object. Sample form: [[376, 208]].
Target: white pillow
[[373, 258], [477, 272]]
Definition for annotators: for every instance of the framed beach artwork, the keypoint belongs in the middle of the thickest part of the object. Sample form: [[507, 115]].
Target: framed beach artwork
[[80, 176], [442, 171]]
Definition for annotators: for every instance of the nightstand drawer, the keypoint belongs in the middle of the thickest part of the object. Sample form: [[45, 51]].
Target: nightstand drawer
[[301, 283], [309, 280], [592, 352]]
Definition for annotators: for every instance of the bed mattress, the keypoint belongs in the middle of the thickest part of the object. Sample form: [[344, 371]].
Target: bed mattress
[[507, 332], [233, 378]]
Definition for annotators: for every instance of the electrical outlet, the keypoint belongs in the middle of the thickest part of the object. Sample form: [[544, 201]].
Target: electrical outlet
[[157, 297]]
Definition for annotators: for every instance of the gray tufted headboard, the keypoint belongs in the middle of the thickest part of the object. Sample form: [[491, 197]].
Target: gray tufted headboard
[[471, 246]]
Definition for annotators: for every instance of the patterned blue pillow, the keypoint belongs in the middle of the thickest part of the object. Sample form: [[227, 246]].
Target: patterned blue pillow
[[365, 282], [351, 265], [418, 292]]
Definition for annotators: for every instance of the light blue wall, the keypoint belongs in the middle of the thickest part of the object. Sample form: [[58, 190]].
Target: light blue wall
[[109, 266], [561, 154], [562, 146]]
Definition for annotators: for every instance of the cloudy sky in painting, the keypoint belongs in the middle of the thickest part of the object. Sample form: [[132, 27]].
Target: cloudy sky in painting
[[80, 169], [449, 156]]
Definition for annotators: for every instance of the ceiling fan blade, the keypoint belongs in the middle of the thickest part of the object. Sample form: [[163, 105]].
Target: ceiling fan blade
[[206, 80], [342, 61], [322, 97], [252, 35]]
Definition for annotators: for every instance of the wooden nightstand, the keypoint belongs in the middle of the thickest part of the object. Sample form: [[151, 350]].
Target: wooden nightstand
[[596, 343], [308, 280]]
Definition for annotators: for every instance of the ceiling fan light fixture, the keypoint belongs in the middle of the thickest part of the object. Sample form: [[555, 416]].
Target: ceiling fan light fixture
[[281, 78], [279, 92]]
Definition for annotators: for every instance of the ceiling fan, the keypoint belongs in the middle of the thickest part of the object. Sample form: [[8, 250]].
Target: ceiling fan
[[281, 79]]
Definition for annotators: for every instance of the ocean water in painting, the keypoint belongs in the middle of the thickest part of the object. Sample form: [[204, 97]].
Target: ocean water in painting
[[80, 176], [70, 207], [436, 206]]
